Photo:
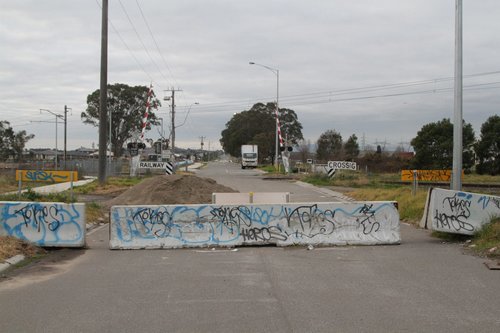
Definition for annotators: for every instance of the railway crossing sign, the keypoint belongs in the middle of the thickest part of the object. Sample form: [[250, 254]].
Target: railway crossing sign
[[331, 173], [342, 165], [167, 166], [333, 166]]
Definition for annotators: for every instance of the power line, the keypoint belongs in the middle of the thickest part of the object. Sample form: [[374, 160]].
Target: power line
[[295, 100], [155, 42], [141, 41], [130, 51]]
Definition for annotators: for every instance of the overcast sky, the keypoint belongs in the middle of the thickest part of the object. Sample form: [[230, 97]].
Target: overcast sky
[[378, 69]]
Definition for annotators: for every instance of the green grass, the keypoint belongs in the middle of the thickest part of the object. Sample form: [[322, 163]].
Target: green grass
[[349, 178], [475, 178], [93, 212], [272, 170], [484, 243], [94, 186], [487, 240], [10, 184], [268, 168], [31, 195], [372, 187], [411, 208]]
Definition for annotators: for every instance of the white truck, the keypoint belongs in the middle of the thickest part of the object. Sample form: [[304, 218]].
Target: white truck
[[249, 156]]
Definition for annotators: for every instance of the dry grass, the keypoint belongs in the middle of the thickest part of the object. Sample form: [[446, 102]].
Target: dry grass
[[411, 208], [487, 241], [8, 184], [10, 246]]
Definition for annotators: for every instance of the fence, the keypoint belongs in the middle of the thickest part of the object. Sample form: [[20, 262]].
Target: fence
[[85, 167]]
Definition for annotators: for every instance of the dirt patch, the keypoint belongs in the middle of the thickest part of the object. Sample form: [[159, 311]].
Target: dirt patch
[[170, 190], [11, 246], [57, 261]]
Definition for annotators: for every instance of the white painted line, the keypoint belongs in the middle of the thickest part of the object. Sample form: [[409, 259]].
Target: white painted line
[[221, 300], [215, 251]]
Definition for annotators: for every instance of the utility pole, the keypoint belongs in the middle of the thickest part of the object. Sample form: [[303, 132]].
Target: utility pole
[[202, 143], [457, 119], [57, 116], [172, 134], [65, 133], [103, 92]]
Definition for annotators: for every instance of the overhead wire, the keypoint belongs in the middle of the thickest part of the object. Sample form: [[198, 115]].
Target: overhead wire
[[319, 97], [127, 47], [234, 104], [141, 41], [155, 42]]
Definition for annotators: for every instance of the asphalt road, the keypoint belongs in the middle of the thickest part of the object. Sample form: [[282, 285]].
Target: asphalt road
[[421, 285]]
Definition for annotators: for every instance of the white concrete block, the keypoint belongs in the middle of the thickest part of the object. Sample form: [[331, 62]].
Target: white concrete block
[[48, 224], [459, 212], [173, 226]]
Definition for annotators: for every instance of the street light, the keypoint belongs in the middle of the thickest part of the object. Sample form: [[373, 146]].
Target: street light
[[277, 73], [57, 116], [187, 114]]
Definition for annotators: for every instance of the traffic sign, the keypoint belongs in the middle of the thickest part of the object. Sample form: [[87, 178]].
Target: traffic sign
[[169, 168], [331, 173], [152, 165], [342, 165]]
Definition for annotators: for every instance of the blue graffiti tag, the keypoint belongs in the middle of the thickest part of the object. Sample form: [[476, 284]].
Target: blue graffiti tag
[[41, 223], [210, 224], [45, 176]]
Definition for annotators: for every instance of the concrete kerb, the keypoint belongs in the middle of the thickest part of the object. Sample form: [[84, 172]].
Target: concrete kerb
[[59, 187], [11, 262], [8, 263]]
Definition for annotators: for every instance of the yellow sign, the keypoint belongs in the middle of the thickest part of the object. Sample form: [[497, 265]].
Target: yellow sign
[[427, 175], [46, 176]]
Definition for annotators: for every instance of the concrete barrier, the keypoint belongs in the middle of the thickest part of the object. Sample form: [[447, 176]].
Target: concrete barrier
[[270, 197], [458, 212], [174, 226], [226, 198], [48, 224]]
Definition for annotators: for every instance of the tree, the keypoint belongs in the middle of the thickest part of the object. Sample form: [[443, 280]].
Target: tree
[[127, 106], [351, 147], [258, 126], [329, 145], [488, 147], [304, 150], [12, 143], [433, 146]]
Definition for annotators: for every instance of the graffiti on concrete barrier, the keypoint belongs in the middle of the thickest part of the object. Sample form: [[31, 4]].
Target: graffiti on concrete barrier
[[368, 220], [191, 225], [487, 201], [427, 175], [37, 215], [462, 212], [455, 213], [46, 224], [309, 221], [46, 176]]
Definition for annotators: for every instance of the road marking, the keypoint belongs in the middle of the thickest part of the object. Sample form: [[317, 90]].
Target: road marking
[[215, 251], [221, 300]]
